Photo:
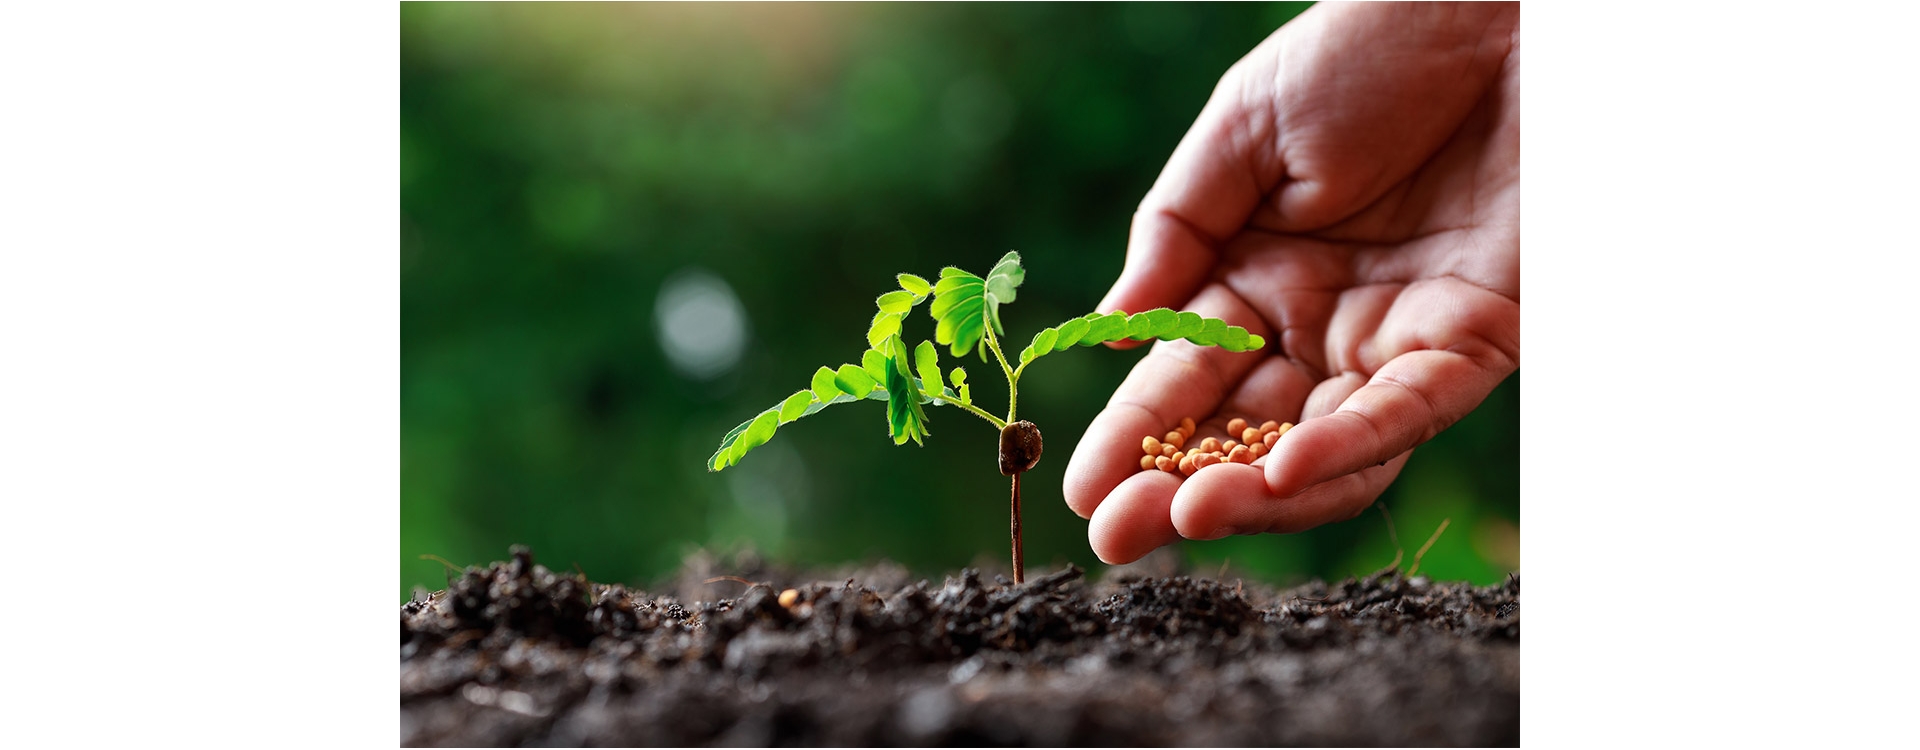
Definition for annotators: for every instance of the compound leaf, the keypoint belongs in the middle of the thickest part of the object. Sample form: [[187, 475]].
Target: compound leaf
[[965, 305], [755, 432], [905, 419], [1161, 323]]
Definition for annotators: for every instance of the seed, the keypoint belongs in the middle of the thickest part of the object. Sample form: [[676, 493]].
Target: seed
[[1284, 426], [1240, 455], [1250, 435], [1186, 426], [1187, 466], [1167, 449], [1257, 450], [1209, 445], [1174, 439], [788, 597], [1270, 438], [1205, 460], [1269, 426], [1163, 463], [1227, 447], [1177, 456], [1146, 463], [1151, 445], [1236, 425]]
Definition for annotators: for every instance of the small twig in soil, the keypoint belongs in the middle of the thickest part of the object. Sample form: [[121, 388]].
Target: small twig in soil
[[452, 569], [1399, 552], [1423, 547], [736, 579]]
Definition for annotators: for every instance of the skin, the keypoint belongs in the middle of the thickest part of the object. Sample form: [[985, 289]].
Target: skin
[[1351, 192]]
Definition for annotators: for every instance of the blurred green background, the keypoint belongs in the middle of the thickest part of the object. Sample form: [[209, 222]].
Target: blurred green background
[[627, 228]]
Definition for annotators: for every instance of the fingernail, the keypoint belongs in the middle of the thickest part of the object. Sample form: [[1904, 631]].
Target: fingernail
[[1221, 533]]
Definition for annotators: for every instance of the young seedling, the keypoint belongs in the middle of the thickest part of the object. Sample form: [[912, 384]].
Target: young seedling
[[966, 311]]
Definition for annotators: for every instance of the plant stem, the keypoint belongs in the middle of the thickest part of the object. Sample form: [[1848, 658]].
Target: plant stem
[[997, 422], [1013, 380], [1019, 574]]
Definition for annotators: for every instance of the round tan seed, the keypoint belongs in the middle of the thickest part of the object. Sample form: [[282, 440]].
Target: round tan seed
[[1167, 449], [1209, 445], [1250, 435], [1227, 447], [1269, 426], [1151, 445], [1284, 426], [1163, 463], [1240, 455], [1187, 466], [1257, 450], [1270, 438], [1146, 463], [1205, 460], [788, 597], [1175, 439], [1236, 425], [1186, 426]]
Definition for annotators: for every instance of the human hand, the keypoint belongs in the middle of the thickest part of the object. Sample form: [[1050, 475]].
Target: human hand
[[1351, 192]]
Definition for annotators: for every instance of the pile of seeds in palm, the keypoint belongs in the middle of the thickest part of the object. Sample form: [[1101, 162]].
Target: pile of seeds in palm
[[1171, 454]]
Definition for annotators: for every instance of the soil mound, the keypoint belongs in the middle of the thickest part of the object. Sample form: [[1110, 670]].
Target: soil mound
[[516, 654]]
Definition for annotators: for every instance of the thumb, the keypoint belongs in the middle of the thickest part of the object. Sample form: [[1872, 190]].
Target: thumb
[[1209, 187]]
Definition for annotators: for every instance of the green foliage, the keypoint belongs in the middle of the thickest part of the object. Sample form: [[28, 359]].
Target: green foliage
[[968, 310], [967, 305], [1163, 323]]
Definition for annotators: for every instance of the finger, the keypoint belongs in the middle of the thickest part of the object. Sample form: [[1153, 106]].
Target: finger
[[1411, 399], [1215, 178], [1229, 499], [1134, 520], [1175, 380]]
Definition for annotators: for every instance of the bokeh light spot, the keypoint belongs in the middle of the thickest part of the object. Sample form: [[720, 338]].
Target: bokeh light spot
[[703, 328]]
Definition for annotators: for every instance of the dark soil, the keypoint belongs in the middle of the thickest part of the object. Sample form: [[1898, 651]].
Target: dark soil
[[516, 654]]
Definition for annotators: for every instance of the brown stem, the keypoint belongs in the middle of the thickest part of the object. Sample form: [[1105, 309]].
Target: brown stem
[[1020, 448], [1019, 575]]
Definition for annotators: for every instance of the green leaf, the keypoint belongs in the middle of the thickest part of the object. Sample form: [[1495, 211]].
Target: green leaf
[[915, 284], [959, 377], [926, 360], [1103, 328], [1146, 325], [757, 431], [885, 324], [1042, 343], [1070, 333], [1161, 323], [896, 302], [874, 362], [965, 305], [795, 406], [905, 419], [1185, 324], [853, 381], [1210, 331], [823, 387], [1005, 278]]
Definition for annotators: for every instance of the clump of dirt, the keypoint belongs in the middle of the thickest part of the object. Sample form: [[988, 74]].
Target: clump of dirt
[[516, 654]]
